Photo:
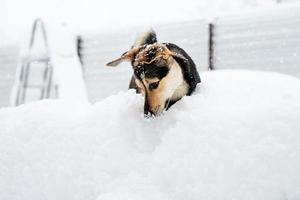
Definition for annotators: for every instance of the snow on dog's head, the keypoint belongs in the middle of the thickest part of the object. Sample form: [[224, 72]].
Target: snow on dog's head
[[234, 141], [162, 72]]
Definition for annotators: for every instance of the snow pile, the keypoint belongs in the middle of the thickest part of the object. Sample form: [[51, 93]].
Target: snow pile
[[68, 73], [236, 138], [58, 46]]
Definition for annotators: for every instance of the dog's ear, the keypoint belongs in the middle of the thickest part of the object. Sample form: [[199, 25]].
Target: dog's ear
[[127, 56], [115, 62], [148, 37]]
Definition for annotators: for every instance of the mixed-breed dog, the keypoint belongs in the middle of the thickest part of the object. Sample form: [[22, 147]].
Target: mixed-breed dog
[[162, 72]]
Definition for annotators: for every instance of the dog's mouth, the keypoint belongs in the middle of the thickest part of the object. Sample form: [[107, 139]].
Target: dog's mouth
[[158, 110]]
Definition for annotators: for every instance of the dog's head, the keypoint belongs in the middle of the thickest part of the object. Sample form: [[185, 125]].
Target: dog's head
[[156, 71]]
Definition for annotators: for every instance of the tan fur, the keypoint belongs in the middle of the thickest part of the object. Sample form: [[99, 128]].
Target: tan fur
[[161, 52], [139, 55], [128, 56], [151, 80], [140, 87], [170, 87]]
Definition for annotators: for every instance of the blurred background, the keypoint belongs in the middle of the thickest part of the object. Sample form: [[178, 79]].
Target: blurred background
[[16, 16], [58, 48]]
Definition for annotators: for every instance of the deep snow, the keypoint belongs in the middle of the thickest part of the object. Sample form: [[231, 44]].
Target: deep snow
[[236, 138]]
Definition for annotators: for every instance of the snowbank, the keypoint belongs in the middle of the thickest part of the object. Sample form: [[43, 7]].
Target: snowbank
[[236, 138]]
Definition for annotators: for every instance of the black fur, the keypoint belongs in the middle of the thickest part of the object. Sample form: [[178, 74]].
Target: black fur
[[151, 38], [151, 71], [132, 84]]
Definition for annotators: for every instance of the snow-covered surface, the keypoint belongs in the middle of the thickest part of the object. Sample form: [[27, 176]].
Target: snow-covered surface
[[237, 137], [67, 68], [266, 39], [58, 46]]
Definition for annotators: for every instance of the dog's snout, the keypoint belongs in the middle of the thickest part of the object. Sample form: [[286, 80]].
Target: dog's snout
[[147, 110], [148, 113]]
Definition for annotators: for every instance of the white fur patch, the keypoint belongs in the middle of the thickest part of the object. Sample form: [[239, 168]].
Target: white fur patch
[[181, 91], [176, 85]]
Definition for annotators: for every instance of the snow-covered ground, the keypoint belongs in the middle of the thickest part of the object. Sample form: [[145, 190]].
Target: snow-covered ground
[[237, 137]]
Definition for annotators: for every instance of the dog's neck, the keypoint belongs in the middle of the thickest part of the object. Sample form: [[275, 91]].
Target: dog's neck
[[182, 86], [180, 92]]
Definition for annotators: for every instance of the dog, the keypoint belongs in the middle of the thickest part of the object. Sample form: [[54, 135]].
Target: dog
[[162, 72]]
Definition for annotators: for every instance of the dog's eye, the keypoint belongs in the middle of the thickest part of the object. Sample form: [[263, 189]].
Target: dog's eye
[[153, 86]]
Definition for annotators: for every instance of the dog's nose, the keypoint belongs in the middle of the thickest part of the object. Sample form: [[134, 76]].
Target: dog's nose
[[148, 113], [147, 110]]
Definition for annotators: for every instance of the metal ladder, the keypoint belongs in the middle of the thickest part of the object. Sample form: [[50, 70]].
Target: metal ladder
[[43, 61]]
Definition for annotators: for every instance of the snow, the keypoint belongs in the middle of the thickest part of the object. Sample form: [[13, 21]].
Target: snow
[[97, 23], [263, 40], [61, 51], [67, 67], [237, 137]]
